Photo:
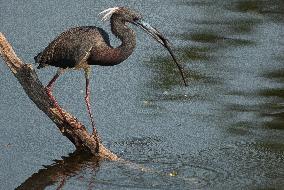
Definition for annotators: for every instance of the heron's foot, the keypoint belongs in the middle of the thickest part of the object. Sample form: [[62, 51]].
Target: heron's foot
[[96, 137], [98, 141]]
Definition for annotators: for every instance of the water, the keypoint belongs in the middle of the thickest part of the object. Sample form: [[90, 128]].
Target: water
[[224, 131]]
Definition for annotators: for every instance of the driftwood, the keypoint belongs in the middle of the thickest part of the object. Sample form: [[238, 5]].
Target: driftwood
[[70, 127]]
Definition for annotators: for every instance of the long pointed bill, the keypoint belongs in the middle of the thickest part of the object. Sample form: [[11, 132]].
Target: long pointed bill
[[162, 40]]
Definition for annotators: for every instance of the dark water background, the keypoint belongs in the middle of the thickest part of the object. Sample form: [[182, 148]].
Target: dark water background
[[224, 131]]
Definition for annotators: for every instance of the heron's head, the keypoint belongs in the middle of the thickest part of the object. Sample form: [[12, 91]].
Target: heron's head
[[129, 16]]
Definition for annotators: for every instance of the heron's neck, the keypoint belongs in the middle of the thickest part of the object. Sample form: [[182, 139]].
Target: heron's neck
[[126, 35]]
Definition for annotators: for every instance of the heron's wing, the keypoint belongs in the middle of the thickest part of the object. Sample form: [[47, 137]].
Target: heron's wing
[[71, 46]]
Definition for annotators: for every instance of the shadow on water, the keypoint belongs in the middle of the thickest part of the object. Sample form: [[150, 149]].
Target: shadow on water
[[251, 116], [268, 121], [271, 111], [276, 107], [272, 9], [58, 173]]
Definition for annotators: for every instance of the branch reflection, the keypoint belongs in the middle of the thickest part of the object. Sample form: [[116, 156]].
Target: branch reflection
[[60, 171]]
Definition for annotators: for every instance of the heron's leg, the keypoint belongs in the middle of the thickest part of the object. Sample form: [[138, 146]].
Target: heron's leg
[[49, 87], [87, 98]]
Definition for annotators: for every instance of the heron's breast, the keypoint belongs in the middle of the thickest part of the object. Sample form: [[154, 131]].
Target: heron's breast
[[106, 56]]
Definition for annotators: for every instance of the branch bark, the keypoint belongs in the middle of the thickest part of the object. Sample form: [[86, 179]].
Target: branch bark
[[70, 127]]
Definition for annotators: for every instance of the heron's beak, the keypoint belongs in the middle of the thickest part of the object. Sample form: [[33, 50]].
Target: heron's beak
[[162, 40]]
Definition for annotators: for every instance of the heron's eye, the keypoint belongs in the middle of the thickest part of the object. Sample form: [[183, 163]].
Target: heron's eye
[[135, 19]]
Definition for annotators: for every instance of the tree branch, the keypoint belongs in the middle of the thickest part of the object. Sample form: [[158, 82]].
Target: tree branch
[[70, 127]]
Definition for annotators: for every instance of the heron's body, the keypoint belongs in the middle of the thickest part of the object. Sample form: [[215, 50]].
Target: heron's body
[[86, 45], [71, 46]]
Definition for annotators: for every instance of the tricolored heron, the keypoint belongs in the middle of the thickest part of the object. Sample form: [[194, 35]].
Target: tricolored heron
[[83, 46]]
